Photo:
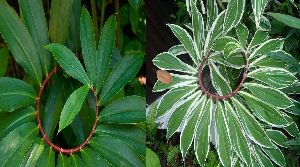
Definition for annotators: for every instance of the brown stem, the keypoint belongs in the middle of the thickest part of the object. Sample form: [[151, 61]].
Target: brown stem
[[118, 23], [45, 138], [218, 97]]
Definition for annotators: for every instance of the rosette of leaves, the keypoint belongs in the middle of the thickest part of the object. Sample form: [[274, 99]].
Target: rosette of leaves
[[117, 141], [233, 93]]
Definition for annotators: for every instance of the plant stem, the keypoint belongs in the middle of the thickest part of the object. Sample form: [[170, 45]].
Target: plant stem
[[102, 13], [118, 22], [95, 20]]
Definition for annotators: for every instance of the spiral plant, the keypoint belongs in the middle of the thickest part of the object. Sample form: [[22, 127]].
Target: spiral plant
[[233, 93], [99, 127]]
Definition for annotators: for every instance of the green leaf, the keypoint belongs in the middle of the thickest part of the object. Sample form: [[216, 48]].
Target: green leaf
[[178, 114], [253, 128], [187, 41], [62, 160], [232, 48], [233, 15], [264, 111], [223, 145], [189, 125], [265, 24], [268, 46], [75, 160], [53, 107], [292, 130], [167, 61], [262, 158], [221, 42], [277, 137], [130, 134], [172, 97], [258, 7], [236, 60], [73, 39], [88, 43], [242, 33], [15, 93], [12, 120], [295, 109], [134, 16], [218, 81], [285, 57], [105, 50], [124, 72], [130, 109], [237, 135], [152, 159], [275, 155], [69, 62], [47, 158], [136, 4], [258, 38], [269, 95], [202, 133], [275, 77], [19, 42], [214, 32], [93, 159], [4, 61], [198, 31], [177, 50], [177, 82], [34, 153], [14, 146], [116, 151], [265, 61], [286, 19], [212, 12], [59, 20], [35, 21], [72, 106]]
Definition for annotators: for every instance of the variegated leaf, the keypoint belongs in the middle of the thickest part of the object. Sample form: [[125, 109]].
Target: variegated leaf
[[233, 15]]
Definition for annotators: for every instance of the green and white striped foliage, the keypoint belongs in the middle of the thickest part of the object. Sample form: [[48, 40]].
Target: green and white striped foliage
[[248, 128]]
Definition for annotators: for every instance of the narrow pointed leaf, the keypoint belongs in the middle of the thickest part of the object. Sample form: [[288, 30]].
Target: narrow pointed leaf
[[202, 133], [105, 50], [69, 62], [268, 46], [59, 20], [14, 94], [35, 21], [223, 145], [47, 159], [255, 132], [62, 161], [233, 15], [124, 72], [19, 42], [212, 12], [274, 77], [286, 19], [167, 61], [177, 50], [258, 7], [242, 33], [269, 95], [285, 57], [198, 30], [264, 111], [219, 82], [34, 153], [75, 160], [177, 82], [184, 37], [4, 55], [275, 155], [261, 158], [88, 43], [277, 137], [92, 158], [258, 38], [72, 106], [189, 127], [130, 109]]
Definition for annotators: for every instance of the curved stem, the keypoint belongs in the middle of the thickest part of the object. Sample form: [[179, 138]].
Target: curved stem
[[218, 97], [45, 138]]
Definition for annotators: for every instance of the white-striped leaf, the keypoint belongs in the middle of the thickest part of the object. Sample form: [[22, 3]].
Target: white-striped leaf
[[261, 158], [265, 61], [236, 60], [258, 7], [187, 41], [212, 12], [189, 127], [292, 130], [255, 132], [264, 111], [223, 144], [166, 61], [275, 155], [268, 46], [277, 137], [202, 133], [198, 30], [295, 109], [219, 82], [221, 42], [258, 38], [237, 135], [173, 96], [177, 50], [231, 48], [275, 77], [233, 15], [269, 95], [177, 81], [176, 118], [242, 33]]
